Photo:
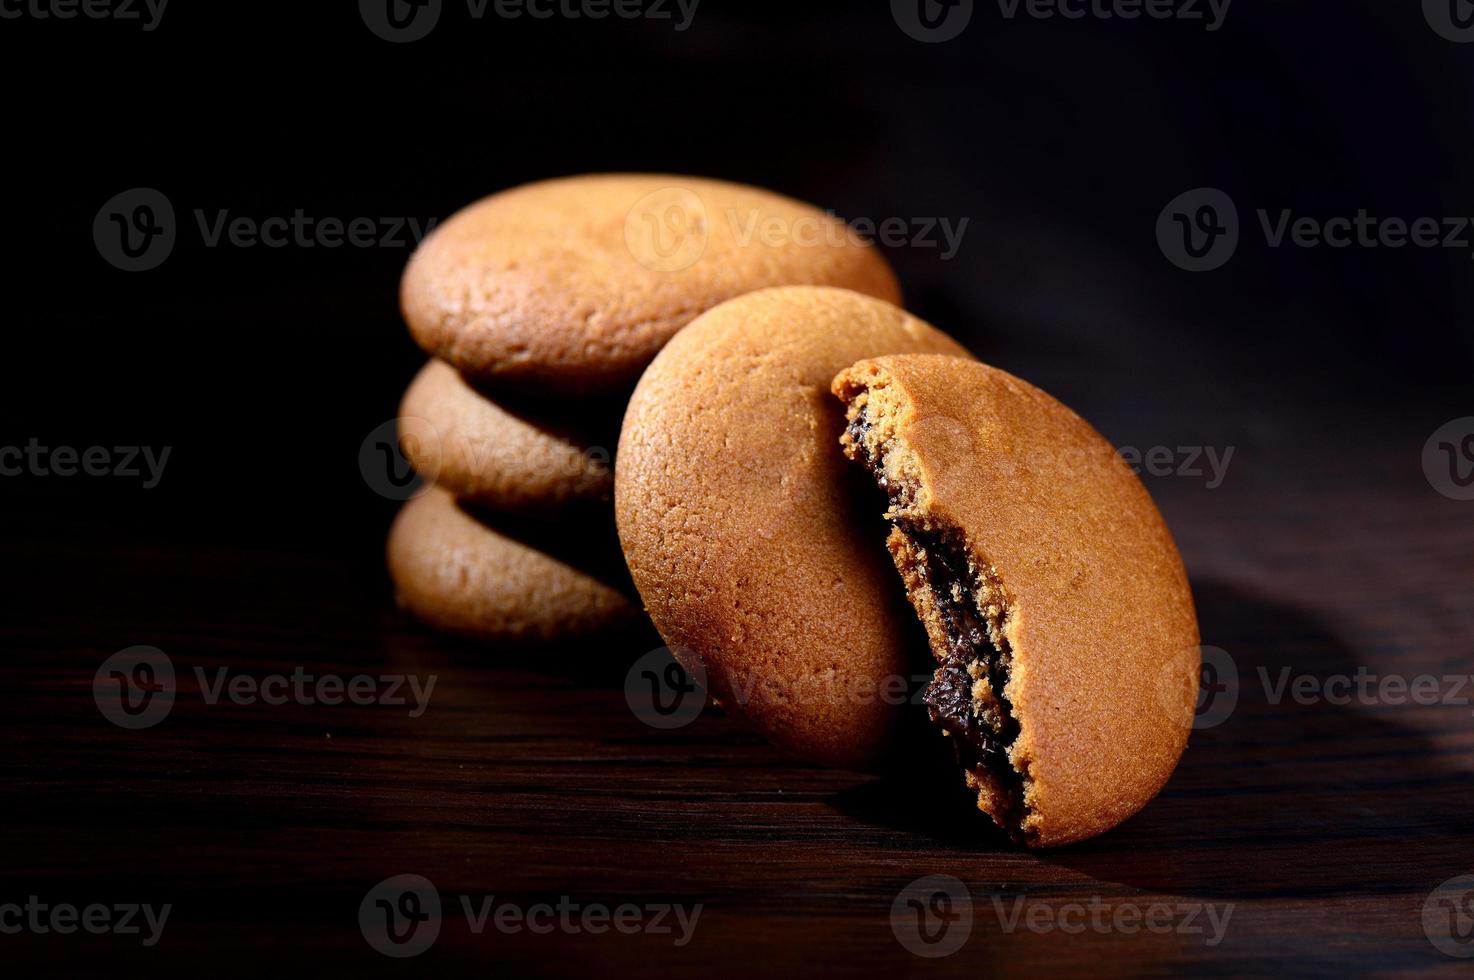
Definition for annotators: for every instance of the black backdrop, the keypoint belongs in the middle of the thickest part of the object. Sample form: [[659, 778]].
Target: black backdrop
[[1059, 141]]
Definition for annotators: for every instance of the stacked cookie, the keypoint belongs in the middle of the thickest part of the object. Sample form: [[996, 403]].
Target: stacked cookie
[[542, 305]]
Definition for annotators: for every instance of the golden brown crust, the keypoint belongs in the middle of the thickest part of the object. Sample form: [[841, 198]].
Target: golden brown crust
[[574, 284], [459, 574], [492, 455], [747, 534], [1098, 605]]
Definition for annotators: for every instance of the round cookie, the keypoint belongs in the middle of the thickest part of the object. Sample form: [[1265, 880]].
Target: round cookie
[[752, 543], [461, 575], [493, 454], [574, 284], [1050, 588]]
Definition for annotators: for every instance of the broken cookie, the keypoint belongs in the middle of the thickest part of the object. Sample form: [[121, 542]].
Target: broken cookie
[[1052, 593]]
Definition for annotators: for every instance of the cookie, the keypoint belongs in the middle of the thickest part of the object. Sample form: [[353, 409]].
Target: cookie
[[573, 285], [459, 573], [748, 535], [500, 454], [1051, 591]]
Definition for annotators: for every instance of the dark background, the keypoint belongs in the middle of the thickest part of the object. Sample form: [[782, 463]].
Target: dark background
[[1059, 141]]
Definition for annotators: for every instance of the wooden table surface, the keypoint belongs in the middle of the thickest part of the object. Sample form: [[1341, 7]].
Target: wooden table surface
[[1314, 832]]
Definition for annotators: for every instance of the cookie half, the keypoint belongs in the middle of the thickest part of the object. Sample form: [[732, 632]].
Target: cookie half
[[748, 535], [1050, 588], [459, 573], [573, 285], [501, 454]]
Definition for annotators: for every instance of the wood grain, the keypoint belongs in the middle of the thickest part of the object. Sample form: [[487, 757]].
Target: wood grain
[[1323, 827]]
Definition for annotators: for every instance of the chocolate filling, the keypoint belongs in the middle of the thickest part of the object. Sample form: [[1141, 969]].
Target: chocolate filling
[[857, 431], [970, 654], [982, 728]]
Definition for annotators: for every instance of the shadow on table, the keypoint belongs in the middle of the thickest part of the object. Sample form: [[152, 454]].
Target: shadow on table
[[1286, 797]]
